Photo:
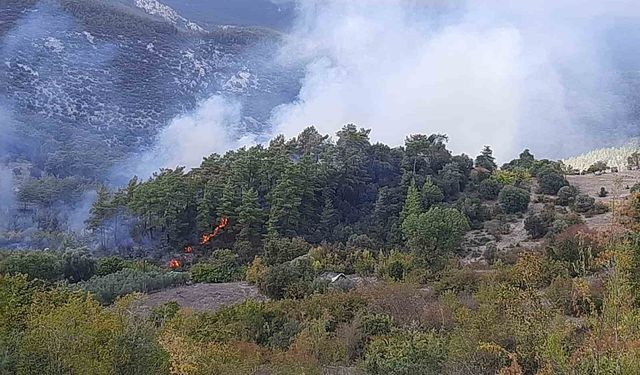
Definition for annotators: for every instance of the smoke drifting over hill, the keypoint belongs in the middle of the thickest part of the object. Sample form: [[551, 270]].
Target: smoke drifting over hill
[[211, 128], [540, 74]]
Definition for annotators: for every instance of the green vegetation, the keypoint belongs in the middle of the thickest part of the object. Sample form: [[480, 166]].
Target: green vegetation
[[393, 221], [107, 288], [222, 267], [514, 200]]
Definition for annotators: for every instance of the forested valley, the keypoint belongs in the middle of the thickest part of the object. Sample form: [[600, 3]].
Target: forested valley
[[367, 259]]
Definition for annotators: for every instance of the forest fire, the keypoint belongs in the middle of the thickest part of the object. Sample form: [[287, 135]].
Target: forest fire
[[174, 264], [188, 249], [207, 237]]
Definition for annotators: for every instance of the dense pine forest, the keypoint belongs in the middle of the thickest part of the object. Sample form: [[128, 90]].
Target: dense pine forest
[[366, 259]]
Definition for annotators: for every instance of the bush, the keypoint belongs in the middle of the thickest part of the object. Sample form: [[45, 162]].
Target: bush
[[80, 337], [489, 189], [395, 266], [551, 181], [513, 200], [576, 247], [36, 265], [256, 271], [538, 225], [458, 280], [405, 353], [222, 267], [376, 324], [288, 280], [108, 288], [635, 188], [603, 193], [566, 195], [435, 234], [599, 166], [533, 271], [159, 315], [583, 203], [78, 265], [280, 250], [108, 265], [365, 263]]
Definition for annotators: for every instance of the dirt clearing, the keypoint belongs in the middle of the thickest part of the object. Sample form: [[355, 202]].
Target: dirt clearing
[[203, 297]]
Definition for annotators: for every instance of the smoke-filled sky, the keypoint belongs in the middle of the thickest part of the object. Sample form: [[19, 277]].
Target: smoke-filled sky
[[507, 73], [541, 74]]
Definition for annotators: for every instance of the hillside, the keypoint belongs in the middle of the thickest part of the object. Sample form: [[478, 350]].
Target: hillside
[[104, 77], [613, 156]]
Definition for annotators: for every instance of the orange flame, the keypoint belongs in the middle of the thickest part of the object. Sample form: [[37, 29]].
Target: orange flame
[[207, 237], [188, 249], [174, 264]]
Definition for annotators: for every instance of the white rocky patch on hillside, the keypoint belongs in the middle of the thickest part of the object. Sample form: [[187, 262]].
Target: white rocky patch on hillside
[[54, 44], [240, 82], [613, 156], [156, 8]]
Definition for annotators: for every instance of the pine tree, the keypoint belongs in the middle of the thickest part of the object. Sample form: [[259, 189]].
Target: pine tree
[[101, 211], [250, 217], [412, 204], [329, 216], [486, 160], [284, 216], [431, 194]]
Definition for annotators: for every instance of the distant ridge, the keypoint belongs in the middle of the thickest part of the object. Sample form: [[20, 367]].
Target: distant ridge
[[613, 156]]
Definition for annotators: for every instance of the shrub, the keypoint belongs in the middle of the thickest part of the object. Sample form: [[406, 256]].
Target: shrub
[[635, 188], [538, 225], [365, 263], [80, 337], [280, 250], [288, 280], [600, 208], [435, 234], [513, 199], [395, 266], [256, 271], [159, 315], [108, 265], [603, 192], [566, 195], [458, 280], [489, 189], [222, 267], [78, 265], [376, 324], [576, 247], [405, 353], [551, 181], [516, 177], [599, 166], [476, 212], [36, 265], [583, 203], [533, 271], [108, 288]]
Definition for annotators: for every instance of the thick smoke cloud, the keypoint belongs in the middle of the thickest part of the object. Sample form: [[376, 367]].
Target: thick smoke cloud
[[540, 74], [212, 128]]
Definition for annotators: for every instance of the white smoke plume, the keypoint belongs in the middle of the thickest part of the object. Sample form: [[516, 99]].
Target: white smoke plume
[[506, 73], [211, 128]]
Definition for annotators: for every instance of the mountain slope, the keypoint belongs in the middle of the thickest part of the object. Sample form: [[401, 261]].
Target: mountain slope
[[103, 77]]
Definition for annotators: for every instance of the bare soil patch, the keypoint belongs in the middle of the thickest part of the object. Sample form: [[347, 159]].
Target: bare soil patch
[[203, 297]]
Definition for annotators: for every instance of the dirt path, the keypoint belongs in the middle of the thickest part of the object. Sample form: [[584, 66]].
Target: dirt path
[[203, 297]]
